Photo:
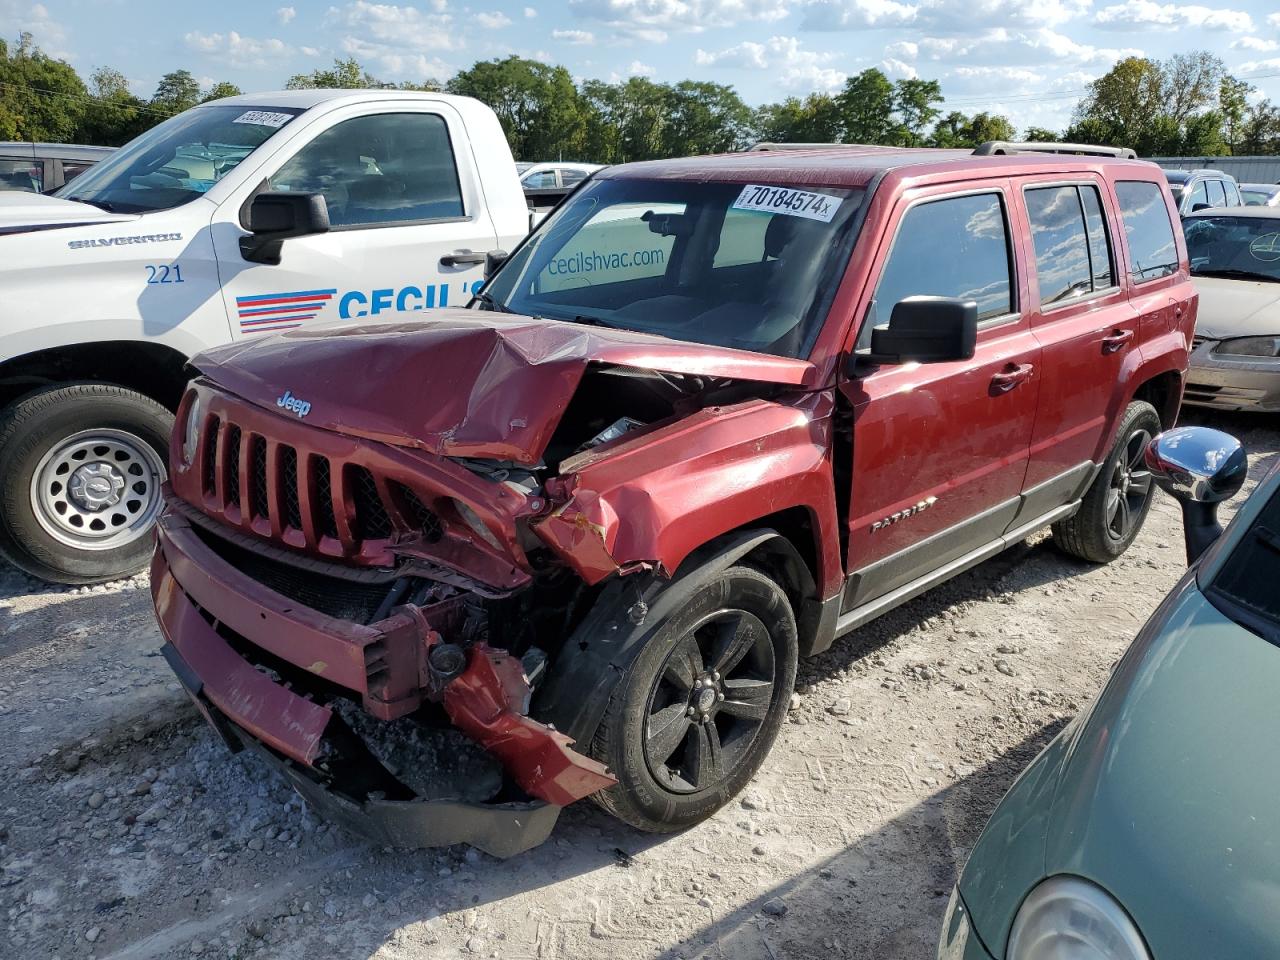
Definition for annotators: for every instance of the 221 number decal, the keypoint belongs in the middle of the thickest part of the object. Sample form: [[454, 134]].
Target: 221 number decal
[[164, 273]]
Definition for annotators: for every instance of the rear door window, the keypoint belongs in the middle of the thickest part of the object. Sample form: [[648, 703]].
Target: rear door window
[[1152, 251], [1217, 196], [952, 247], [1247, 580], [25, 175], [1199, 194], [1233, 194], [1061, 243]]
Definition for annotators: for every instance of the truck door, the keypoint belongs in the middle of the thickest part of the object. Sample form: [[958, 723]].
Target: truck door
[[409, 227], [939, 450]]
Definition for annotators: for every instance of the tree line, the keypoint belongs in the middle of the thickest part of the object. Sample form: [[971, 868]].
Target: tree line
[[1186, 105]]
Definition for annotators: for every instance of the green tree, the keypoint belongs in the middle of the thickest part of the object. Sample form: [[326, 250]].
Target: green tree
[[220, 90], [343, 75], [177, 91], [1040, 135], [704, 118], [958, 130], [40, 98], [116, 116], [914, 102], [538, 105], [865, 108], [1233, 104], [1260, 130], [815, 119]]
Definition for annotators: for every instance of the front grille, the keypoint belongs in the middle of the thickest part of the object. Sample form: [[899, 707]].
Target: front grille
[[301, 497], [1197, 342]]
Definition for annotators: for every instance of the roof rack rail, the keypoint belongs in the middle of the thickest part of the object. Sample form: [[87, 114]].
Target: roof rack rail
[[766, 145], [1002, 147]]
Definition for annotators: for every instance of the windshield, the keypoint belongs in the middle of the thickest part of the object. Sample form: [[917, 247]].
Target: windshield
[[1248, 577], [1234, 246], [752, 266], [179, 160]]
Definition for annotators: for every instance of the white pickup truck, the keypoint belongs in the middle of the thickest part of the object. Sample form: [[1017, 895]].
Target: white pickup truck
[[388, 201]]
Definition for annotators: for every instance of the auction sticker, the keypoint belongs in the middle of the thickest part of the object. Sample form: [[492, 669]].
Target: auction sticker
[[794, 203], [264, 118]]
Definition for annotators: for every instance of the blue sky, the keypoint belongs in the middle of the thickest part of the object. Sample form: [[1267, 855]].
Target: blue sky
[[1028, 59]]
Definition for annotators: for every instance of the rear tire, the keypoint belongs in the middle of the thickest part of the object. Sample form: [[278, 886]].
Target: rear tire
[[80, 473], [693, 718], [1116, 504]]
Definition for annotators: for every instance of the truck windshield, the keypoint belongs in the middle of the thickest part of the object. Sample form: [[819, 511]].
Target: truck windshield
[[178, 160], [752, 266], [1234, 246]]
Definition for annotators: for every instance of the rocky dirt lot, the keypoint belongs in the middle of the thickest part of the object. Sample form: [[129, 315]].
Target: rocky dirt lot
[[127, 831]]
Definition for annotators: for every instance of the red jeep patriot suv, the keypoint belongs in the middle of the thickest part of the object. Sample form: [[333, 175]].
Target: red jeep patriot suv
[[454, 572]]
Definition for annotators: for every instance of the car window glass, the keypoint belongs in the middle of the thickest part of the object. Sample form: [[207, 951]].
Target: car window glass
[[541, 180], [742, 238], [1099, 238], [1248, 577], [1233, 194], [614, 245], [1199, 194], [379, 170], [570, 177], [956, 247], [1152, 250], [25, 175], [73, 168], [1217, 196], [1061, 244], [1254, 198], [1227, 245]]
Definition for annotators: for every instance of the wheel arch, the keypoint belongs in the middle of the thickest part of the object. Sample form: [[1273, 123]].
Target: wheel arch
[[152, 369], [1164, 392]]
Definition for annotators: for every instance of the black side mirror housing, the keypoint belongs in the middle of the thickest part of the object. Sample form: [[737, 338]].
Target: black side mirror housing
[[1200, 468], [276, 216], [493, 261], [1195, 207], [927, 330]]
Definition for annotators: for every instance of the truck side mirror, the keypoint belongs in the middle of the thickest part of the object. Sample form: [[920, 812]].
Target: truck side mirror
[[276, 216], [1196, 207], [1200, 468], [493, 260], [927, 330]]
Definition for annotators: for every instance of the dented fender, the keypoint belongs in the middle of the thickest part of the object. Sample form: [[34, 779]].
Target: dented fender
[[649, 502]]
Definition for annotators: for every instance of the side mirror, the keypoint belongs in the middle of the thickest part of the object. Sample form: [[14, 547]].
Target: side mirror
[[493, 261], [927, 330], [276, 216], [1199, 206], [1200, 468]]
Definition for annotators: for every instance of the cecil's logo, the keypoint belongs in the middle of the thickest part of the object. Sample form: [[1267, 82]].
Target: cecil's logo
[[293, 404]]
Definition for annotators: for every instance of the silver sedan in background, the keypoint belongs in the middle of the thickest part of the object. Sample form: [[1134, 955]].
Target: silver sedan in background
[[1235, 262]]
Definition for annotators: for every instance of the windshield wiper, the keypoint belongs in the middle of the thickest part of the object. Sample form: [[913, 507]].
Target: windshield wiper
[[592, 321], [492, 304], [1234, 272], [106, 205]]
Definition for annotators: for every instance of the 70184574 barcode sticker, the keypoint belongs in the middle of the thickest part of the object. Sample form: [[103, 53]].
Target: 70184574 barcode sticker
[[794, 203]]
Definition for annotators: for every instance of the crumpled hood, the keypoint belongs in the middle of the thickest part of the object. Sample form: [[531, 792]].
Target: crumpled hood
[[1237, 308], [1169, 798], [463, 383], [21, 211]]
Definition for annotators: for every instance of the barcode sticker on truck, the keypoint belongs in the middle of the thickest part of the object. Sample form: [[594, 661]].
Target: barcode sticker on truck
[[264, 119], [794, 203]]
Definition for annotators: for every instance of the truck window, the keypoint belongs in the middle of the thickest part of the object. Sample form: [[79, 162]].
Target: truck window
[[1099, 238], [1217, 196], [380, 170], [179, 160], [539, 181], [1152, 251], [26, 175], [1233, 193], [1067, 228], [1199, 194], [613, 246], [956, 247]]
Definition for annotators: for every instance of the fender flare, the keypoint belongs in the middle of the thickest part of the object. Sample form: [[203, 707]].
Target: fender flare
[[601, 650]]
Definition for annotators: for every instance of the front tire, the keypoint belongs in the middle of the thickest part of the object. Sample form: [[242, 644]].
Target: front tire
[[1116, 505], [696, 713], [81, 468]]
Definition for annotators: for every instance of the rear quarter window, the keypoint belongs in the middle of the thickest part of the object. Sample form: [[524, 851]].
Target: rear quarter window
[[1152, 251], [1246, 585]]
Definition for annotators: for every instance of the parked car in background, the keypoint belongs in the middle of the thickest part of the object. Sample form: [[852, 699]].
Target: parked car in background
[[1260, 194], [41, 167], [713, 413], [545, 176], [390, 201], [1147, 829], [1198, 189], [1235, 261]]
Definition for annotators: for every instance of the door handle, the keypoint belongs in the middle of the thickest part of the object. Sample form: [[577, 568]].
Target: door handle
[[1011, 376], [1116, 340], [461, 258]]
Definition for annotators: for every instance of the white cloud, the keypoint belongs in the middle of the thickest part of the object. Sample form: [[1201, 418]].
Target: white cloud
[[1273, 19], [1018, 47], [285, 15], [397, 40], [652, 20], [1139, 14], [857, 14], [530, 13], [50, 35], [1255, 44], [1253, 65], [237, 50], [1019, 75], [961, 16], [795, 68], [493, 21], [895, 69], [902, 50], [579, 38], [638, 69]]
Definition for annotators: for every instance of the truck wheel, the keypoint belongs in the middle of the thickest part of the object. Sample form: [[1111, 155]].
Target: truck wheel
[[80, 474], [697, 711], [1116, 505]]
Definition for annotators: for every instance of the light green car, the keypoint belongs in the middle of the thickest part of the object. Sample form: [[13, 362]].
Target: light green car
[[1149, 829]]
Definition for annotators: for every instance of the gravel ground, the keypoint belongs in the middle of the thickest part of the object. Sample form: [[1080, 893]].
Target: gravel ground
[[127, 831]]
